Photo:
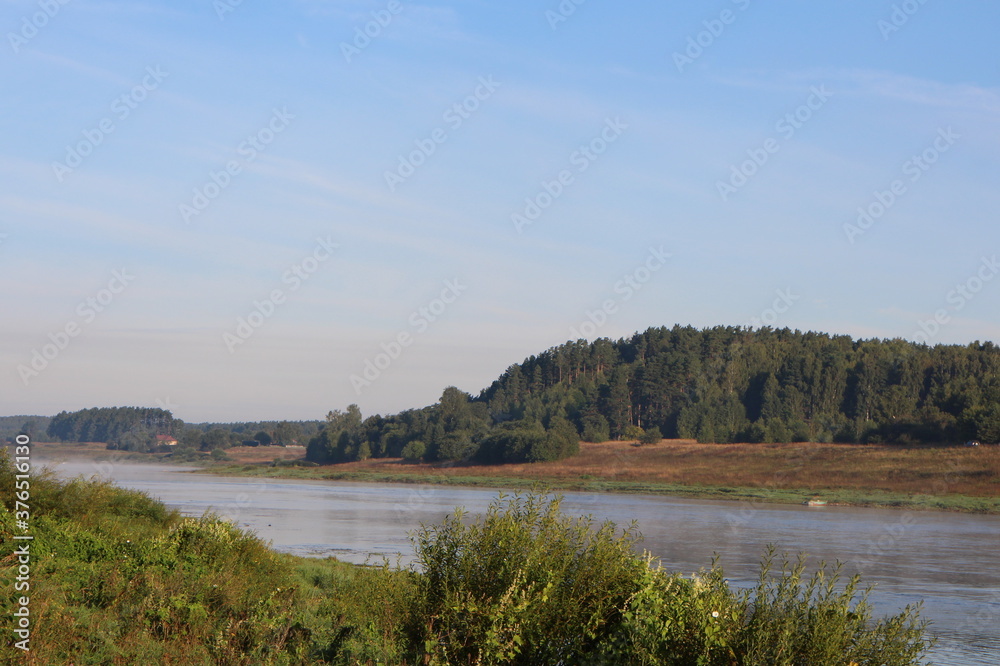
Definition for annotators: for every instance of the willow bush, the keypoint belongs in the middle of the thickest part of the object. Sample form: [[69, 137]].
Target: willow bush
[[525, 584]]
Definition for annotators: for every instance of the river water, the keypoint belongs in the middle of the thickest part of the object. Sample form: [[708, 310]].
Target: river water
[[949, 561]]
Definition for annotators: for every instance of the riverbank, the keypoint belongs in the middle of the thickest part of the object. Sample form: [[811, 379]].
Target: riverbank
[[925, 477], [915, 478], [129, 580], [840, 497]]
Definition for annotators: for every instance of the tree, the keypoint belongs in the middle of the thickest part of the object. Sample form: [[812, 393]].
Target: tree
[[523, 580], [30, 428], [264, 438], [651, 436], [286, 433], [414, 451], [191, 438], [107, 424], [340, 439], [216, 438], [595, 428], [455, 446], [561, 441], [364, 451], [722, 384], [138, 440]]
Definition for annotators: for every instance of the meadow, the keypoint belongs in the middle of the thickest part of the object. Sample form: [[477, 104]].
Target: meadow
[[912, 477]]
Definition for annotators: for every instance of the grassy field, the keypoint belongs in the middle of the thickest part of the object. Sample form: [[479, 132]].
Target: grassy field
[[917, 477], [963, 479]]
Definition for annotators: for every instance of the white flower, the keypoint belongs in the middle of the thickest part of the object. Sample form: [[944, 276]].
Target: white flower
[[715, 613]]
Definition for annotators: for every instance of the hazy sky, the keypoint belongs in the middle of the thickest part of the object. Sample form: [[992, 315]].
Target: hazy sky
[[229, 208]]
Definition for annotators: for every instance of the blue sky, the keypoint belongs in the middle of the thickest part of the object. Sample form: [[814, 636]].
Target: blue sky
[[170, 168]]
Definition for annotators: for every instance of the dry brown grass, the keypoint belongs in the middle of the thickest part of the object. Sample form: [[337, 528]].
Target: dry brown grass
[[935, 470], [925, 469], [258, 454]]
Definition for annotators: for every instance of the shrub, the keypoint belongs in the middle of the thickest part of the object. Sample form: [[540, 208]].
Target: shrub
[[522, 585], [527, 585], [596, 428], [785, 620], [651, 436], [414, 451], [632, 432], [374, 607]]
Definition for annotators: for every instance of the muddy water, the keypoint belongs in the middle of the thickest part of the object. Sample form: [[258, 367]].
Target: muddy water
[[950, 561]]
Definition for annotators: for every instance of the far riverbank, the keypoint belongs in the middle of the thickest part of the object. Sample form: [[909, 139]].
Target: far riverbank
[[914, 478]]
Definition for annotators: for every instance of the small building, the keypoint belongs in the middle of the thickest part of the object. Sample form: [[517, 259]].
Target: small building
[[166, 440]]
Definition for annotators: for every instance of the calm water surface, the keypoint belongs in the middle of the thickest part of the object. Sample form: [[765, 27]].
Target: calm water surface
[[948, 560]]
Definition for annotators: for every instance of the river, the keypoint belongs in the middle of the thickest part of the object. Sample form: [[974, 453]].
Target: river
[[947, 560]]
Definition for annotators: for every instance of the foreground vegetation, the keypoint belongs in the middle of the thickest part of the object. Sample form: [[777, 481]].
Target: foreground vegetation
[[119, 579]]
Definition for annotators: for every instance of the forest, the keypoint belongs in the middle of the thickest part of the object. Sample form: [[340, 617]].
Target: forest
[[137, 428], [720, 384]]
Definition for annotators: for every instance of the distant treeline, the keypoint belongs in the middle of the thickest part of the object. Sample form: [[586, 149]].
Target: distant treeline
[[210, 436], [148, 428], [33, 426], [108, 424], [722, 384]]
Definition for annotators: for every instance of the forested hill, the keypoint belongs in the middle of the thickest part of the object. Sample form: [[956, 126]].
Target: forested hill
[[723, 384], [728, 384]]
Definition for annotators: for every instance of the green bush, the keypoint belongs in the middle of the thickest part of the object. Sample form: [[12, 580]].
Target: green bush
[[651, 436], [524, 584], [785, 620], [527, 585], [632, 432], [414, 451], [374, 610]]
